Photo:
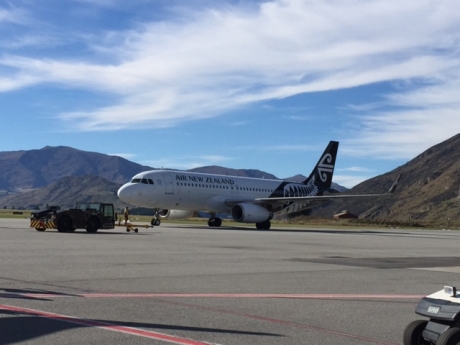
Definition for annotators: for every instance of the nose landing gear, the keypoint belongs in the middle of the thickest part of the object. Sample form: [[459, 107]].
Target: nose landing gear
[[156, 218]]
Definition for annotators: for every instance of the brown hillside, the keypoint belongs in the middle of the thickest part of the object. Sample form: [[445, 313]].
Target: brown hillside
[[39, 168], [428, 190], [66, 193]]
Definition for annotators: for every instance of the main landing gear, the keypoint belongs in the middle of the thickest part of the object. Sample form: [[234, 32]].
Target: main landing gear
[[263, 225], [215, 222]]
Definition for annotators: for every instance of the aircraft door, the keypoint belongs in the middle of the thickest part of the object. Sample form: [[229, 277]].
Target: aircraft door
[[169, 185]]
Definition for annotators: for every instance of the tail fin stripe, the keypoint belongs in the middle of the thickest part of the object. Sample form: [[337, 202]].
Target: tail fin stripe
[[324, 168]]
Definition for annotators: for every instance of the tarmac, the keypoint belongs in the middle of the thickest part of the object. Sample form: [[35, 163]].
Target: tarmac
[[188, 284]]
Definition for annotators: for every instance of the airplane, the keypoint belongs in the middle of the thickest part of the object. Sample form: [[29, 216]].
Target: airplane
[[178, 194]]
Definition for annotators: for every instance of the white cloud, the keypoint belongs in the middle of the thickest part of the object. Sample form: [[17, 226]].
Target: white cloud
[[209, 61], [356, 169], [102, 3], [429, 115], [12, 15], [284, 148], [129, 156], [349, 181], [185, 163]]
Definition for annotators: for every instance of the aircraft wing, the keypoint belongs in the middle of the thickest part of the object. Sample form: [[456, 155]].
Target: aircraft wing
[[322, 198], [313, 200]]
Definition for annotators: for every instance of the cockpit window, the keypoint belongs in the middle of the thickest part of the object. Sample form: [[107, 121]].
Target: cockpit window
[[142, 180]]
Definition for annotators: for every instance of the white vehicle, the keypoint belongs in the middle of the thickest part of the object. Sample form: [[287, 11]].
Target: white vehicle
[[443, 327], [178, 194]]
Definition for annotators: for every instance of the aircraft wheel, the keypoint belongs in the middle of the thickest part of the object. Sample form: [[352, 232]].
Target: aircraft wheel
[[263, 225], [211, 222], [413, 333], [40, 229], [449, 337], [157, 222], [136, 230], [217, 222]]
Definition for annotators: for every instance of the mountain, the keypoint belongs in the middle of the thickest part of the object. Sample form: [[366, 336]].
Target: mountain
[[428, 190], [214, 169], [66, 193], [39, 168]]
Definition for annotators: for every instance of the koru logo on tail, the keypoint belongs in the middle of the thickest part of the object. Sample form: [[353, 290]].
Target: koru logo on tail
[[325, 167]]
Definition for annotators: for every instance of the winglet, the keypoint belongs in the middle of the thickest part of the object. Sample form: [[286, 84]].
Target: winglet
[[395, 184]]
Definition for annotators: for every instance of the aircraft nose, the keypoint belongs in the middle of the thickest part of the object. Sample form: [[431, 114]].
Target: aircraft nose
[[134, 194], [124, 194]]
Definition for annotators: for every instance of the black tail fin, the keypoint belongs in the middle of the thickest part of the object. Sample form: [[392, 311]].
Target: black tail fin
[[321, 175]]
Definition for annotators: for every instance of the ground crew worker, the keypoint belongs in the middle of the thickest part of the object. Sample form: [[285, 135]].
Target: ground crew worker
[[126, 213]]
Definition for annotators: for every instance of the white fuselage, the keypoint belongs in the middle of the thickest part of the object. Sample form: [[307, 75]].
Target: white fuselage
[[166, 189]]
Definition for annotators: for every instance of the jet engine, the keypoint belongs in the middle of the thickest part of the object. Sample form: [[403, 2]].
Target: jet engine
[[250, 213], [175, 214]]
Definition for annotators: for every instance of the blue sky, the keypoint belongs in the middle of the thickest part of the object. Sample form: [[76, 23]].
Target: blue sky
[[242, 84]]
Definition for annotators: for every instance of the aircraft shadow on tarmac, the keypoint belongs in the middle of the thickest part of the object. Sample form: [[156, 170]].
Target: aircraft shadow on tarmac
[[26, 294], [294, 230], [22, 327]]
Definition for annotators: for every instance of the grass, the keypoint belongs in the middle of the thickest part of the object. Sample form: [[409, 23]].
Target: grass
[[7, 213]]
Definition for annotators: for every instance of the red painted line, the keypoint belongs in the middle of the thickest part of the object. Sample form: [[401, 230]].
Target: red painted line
[[226, 295], [284, 322], [105, 325], [172, 339]]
